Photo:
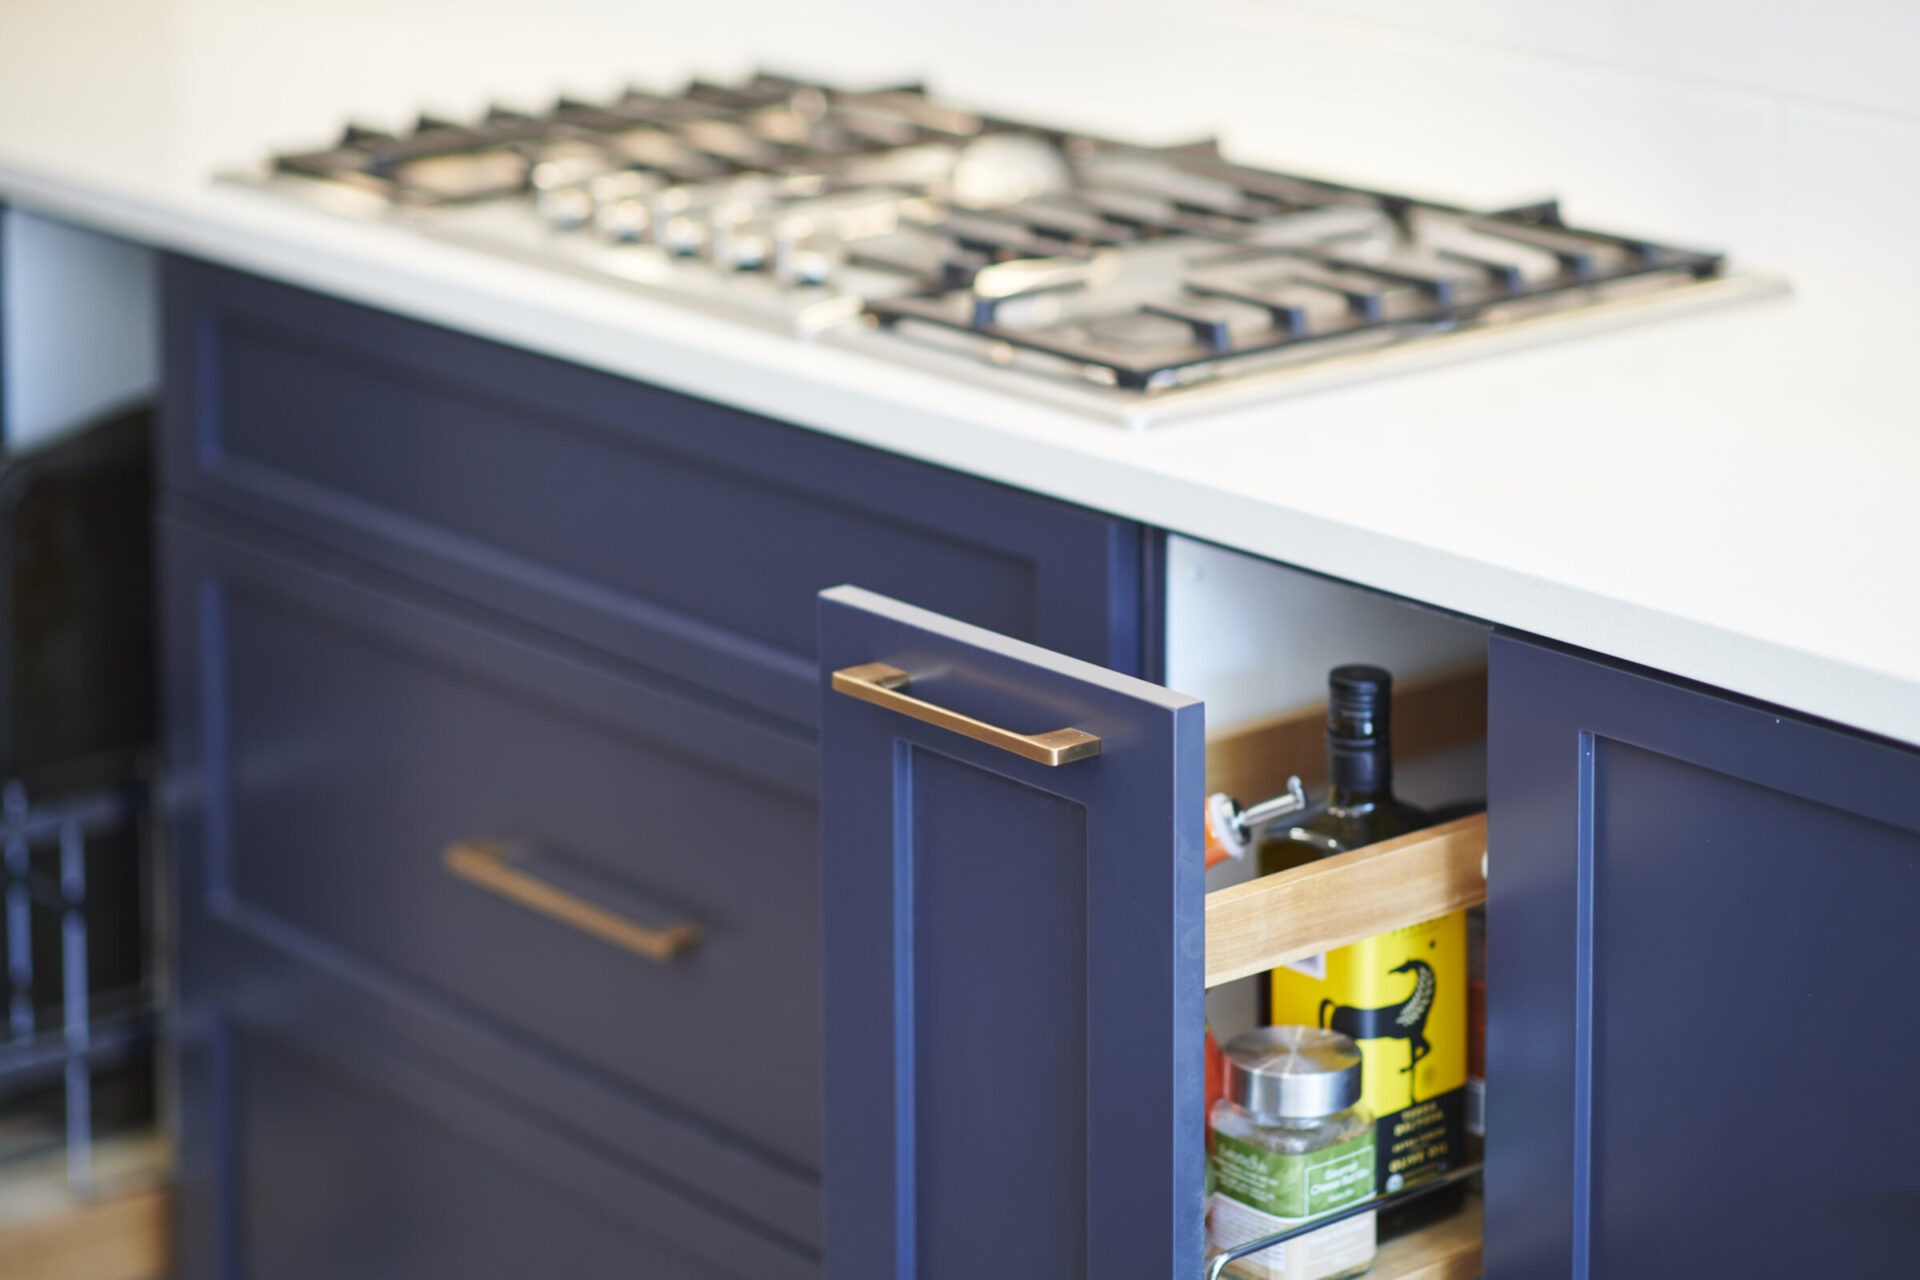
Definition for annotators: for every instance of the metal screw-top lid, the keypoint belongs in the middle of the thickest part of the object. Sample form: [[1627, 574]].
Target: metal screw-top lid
[[1295, 1072]]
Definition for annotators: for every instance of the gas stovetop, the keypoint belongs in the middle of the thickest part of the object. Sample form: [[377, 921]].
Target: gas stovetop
[[1133, 282]]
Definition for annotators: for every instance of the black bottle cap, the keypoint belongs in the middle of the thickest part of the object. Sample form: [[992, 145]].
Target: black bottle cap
[[1359, 701], [1359, 708]]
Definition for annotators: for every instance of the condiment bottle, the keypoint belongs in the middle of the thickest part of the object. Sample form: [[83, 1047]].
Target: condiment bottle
[[1402, 994], [1291, 1143]]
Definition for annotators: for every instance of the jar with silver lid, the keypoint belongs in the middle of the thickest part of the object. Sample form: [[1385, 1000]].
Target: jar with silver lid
[[1290, 1143]]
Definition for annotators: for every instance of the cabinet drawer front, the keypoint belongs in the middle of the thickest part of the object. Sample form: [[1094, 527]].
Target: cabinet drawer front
[[669, 530], [347, 1157], [1014, 957], [351, 737], [433, 1203]]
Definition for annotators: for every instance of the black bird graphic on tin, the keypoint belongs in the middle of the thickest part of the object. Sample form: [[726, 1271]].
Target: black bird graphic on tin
[[1406, 1020]]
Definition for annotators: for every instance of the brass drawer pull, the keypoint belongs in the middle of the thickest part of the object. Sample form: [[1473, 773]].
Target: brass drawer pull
[[500, 867], [885, 686]]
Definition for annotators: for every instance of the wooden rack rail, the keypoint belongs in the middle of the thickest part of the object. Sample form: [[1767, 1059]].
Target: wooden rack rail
[[1277, 919]]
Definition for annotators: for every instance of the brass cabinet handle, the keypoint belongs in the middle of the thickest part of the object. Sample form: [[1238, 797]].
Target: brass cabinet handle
[[885, 686], [497, 866]]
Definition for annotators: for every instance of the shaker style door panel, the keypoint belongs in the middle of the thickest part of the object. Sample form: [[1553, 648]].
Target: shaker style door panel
[[1013, 958], [314, 1149], [1701, 1041], [670, 531], [623, 876]]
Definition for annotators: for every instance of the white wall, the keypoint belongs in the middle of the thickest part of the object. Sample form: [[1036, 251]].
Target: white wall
[[78, 312], [1254, 639], [1789, 132]]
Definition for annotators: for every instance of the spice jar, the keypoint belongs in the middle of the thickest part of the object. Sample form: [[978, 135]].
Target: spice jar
[[1290, 1143]]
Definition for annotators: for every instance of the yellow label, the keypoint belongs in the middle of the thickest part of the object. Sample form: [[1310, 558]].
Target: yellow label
[[1402, 996]]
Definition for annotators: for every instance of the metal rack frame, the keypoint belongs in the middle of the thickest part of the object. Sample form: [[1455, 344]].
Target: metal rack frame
[[1217, 1267], [82, 1043]]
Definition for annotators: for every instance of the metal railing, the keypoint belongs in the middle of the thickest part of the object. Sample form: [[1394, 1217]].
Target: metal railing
[[90, 1030], [1217, 1266]]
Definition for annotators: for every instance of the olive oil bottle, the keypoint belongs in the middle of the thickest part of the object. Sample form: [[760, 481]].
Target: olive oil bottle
[[1402, 996]]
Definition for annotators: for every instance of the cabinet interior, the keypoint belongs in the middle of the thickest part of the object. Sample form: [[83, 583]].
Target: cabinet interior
[[1255, 640]]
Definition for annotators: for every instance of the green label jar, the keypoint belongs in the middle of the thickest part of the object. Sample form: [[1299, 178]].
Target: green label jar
[[1290, 1144]]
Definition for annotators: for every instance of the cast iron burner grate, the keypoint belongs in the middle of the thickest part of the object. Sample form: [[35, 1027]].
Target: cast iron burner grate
[[835, 212], [1408, 269]]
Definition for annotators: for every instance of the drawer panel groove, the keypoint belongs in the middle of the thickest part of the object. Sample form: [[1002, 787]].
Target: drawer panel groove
[[670, 531], [468, 1179]]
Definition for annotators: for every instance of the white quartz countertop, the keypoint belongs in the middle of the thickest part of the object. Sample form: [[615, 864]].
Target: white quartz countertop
[[1733, 497]]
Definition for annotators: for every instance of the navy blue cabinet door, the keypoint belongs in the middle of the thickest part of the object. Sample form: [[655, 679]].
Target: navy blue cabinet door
[[1702, 1039], [1013, 962]]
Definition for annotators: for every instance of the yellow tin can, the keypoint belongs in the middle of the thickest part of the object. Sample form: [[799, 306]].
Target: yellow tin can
[[1402, 997]]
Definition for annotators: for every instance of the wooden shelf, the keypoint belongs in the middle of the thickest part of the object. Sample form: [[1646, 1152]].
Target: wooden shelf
[[1277, 919], [121, 1233], [1448, 1250]]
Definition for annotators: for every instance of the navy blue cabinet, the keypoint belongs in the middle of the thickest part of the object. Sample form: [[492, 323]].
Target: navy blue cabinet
[[1013, 965], [1699, 925], [336, 1130], [366, 738], [1701, 1038], [421, 590], [661, 529], [329, 741], [424, 593]]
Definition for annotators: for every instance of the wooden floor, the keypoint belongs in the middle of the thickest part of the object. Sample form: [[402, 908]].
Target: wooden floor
[[122, 1233], [1448, 1250], [119, 1233]]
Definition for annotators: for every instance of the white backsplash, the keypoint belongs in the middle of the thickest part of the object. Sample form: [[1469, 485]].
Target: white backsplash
[[1783, 132], [79, 311]]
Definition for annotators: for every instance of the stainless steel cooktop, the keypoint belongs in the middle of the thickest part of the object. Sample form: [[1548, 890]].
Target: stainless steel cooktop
[[1135, 283]]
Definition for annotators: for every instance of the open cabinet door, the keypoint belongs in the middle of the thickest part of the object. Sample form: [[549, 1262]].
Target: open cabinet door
[[1014, 955]]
